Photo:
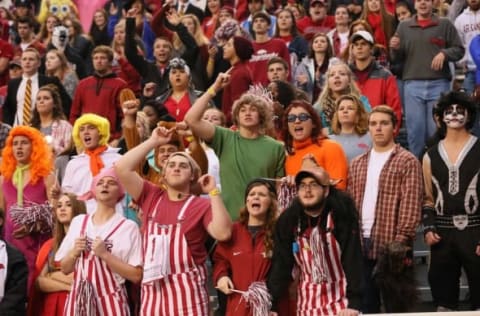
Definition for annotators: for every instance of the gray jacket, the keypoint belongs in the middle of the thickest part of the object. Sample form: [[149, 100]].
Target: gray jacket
[[418, 46]]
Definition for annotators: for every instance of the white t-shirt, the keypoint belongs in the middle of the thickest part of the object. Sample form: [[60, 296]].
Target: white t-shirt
[[78, 177], [376, 163], [125, 243]]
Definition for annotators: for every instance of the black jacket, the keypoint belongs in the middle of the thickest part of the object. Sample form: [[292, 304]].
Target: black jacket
[[15, 297], [345, 231], [10, 106]]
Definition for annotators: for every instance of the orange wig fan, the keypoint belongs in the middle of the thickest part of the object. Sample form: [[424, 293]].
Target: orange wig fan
[[41, 161]]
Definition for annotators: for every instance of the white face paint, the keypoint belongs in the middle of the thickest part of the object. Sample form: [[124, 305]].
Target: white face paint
[[455, 116]]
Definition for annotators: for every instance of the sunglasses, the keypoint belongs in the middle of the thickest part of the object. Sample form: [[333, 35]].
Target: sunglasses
[[291, 118]]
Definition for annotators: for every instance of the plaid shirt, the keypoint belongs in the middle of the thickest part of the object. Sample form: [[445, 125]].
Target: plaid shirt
[[399, 201]]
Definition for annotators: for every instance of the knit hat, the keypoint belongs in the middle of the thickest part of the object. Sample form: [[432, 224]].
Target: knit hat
[[243, 47], [107, 172], [100, 122], [196, 171]]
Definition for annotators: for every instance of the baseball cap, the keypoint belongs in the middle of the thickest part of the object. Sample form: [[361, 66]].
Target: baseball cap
[[364, 35], [310, 168]]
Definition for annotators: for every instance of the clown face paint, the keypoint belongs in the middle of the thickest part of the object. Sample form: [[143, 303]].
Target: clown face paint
[[455, 116]]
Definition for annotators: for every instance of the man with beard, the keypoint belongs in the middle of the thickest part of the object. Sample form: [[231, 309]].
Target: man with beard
[[386, 185], [318, 235], [99, 94], [450, 213]]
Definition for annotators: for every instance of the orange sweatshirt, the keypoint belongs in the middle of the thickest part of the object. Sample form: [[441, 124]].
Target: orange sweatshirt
[[328, 154]]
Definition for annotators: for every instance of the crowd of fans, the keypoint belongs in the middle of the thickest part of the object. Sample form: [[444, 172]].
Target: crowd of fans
[[141, 139]]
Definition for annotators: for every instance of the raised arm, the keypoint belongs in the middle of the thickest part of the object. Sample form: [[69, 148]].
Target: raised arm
[[220, 227], [200, 128], [126, 167], [131, 51]]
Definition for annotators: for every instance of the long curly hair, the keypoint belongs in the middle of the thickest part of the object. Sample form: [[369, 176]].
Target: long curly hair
[[361, 123], [272, 213], [264, 110], [41, 160]]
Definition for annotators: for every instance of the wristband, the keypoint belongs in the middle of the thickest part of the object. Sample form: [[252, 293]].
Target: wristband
[[211, 91], [214, 192]]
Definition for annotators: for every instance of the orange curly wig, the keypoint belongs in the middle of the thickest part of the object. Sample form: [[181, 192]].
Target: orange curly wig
[[41, 160]]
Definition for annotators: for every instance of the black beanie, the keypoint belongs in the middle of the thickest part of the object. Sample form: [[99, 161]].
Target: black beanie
[[243, 47]]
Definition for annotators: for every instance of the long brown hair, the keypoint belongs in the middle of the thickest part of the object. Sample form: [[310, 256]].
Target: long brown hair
[[387, 19], [57, 110], [78, 207], [271, 217], [64, 66]]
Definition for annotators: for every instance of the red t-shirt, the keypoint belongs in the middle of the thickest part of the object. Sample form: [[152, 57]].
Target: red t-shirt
[[263, 52], [178, 109], [308, 27], [195, 222]]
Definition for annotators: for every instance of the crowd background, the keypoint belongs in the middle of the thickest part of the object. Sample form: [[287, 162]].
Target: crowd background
[[250, 89]]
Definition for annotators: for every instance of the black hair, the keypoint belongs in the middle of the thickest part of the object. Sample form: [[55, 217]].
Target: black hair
[[286, 93], [455, 97]]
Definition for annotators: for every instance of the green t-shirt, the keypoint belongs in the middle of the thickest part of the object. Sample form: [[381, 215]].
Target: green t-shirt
[[242, 160]]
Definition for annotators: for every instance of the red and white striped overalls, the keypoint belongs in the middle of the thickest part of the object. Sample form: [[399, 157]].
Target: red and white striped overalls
[[183, 290], [111, 297], [328, 296]]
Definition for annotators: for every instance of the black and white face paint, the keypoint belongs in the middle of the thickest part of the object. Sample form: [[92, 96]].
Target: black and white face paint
[[455, 116]]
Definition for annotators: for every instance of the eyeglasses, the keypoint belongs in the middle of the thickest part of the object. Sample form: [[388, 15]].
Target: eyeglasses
[[291, 118], [309, 186]]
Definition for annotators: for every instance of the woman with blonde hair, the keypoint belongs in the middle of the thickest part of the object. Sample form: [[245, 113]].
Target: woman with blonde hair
[[350, 126], [339, 82], [57, 65]]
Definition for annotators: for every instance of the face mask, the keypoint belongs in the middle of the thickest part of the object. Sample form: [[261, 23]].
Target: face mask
[[455, 116]]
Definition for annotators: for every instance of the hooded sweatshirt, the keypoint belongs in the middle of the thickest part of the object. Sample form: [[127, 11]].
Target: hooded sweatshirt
[[99, 95]]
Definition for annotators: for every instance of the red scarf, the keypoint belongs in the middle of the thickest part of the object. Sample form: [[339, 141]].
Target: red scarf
[[375, 21], [96, 163]]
